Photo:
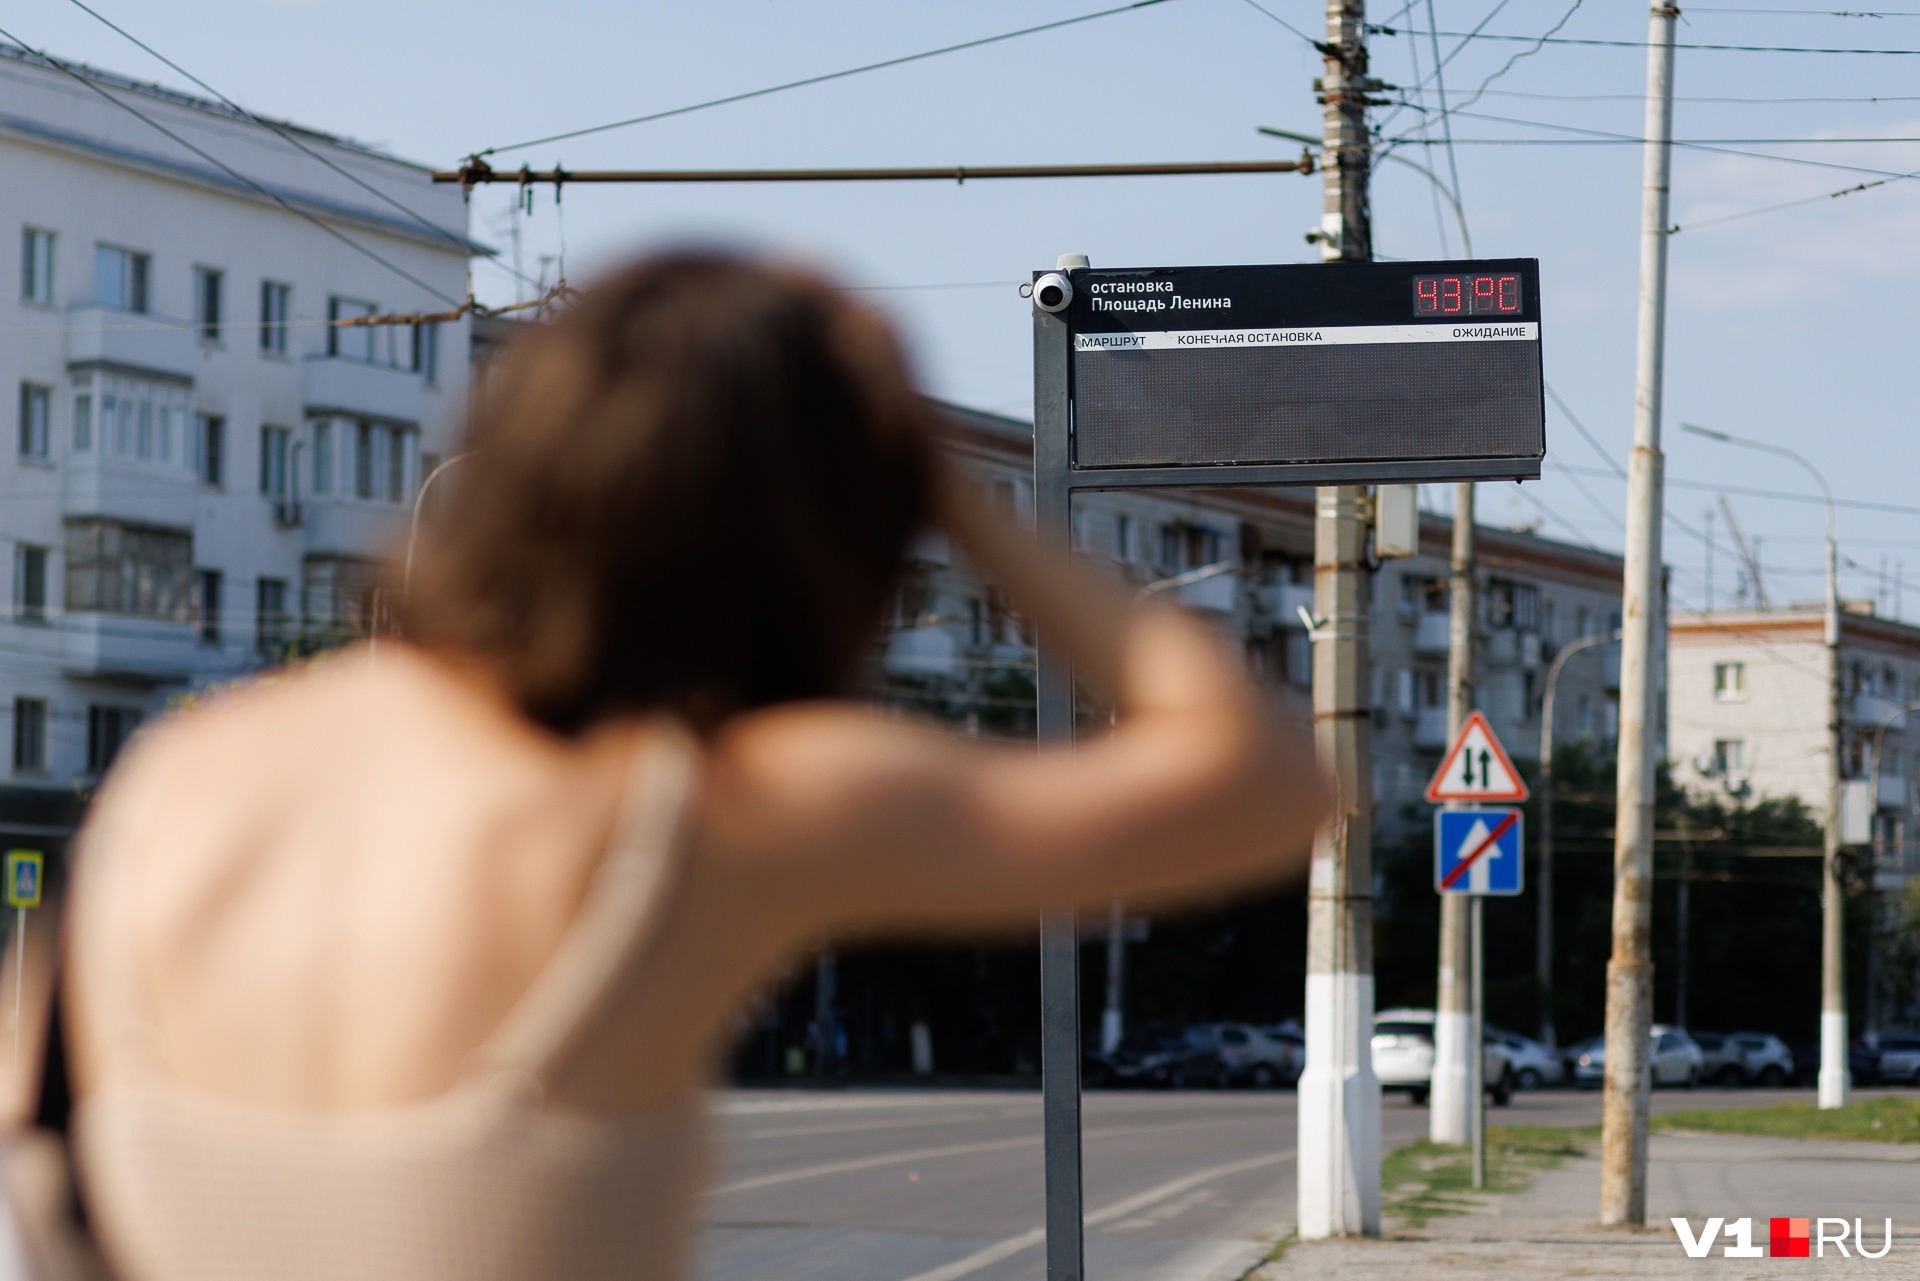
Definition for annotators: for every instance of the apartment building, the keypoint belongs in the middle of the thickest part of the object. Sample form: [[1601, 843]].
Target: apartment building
[[1749, 709], [956, 649], [206, 462]]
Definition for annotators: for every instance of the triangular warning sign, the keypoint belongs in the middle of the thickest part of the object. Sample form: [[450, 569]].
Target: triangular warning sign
[[1476, 768]]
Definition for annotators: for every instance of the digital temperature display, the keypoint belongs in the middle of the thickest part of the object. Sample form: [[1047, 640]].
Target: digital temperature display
[[1491, 295]]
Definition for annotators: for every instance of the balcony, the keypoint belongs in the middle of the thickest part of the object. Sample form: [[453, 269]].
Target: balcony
[[148, 651], [336, 385], [1217, 595], [103, 337], [922, 651], [1893, 792], [1430, 729], [1872, 710], [347, 526], [1432, 634], [1282, 602]]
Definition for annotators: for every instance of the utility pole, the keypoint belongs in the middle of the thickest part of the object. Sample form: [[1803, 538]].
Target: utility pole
[[1339, 1177], [1452, 1103], [1623, 1139], [1834, 1071]]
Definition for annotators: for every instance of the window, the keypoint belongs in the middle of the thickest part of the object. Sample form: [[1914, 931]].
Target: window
[[1511, 604], [30, 582], [1729, 757], [1122, 538], [210, 449], [340, 596], [1729, 682], [130, 417], [36, 266], [323, 457], [426, 352], [36, 408], [108, 729], [207, 585], [396, 451], [363, 462], [83, 421], [353, 342], [207, 283], [276, 300], [119, 568], [120, 278], [29, 735], [270, 621], [273, 461]]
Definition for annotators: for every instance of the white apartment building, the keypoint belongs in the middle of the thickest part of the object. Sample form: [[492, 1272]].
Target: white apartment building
[[956, 651], [1748, 711], [205, 466]]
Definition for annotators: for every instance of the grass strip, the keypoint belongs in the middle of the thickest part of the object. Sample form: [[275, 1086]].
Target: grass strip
[[1425, 1180], [1894, 1119]]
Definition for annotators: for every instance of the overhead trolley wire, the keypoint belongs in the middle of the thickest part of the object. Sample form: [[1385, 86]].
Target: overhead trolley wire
[[820, 79], [229, 170], [1641, 44]]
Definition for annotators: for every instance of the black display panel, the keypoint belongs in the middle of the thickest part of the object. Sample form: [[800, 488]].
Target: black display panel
[[1308, 364]]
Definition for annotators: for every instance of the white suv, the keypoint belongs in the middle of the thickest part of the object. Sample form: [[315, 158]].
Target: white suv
[[1403, 1057]]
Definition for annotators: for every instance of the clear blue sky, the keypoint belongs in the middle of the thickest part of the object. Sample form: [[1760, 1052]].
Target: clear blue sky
[[1795, 326]]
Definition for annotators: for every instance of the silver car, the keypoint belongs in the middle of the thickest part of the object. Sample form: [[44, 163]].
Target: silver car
[[1765, 1058], [1900, 1059], [1534, 1065], [1675, 1059]]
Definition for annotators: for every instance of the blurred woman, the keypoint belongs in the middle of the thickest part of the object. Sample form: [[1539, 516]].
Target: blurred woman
[[415, 964]]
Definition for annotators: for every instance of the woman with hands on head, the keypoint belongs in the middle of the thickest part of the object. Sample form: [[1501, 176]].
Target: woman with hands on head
[[415, 965]]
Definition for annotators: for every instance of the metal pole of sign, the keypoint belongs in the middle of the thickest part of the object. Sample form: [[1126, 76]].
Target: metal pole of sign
[[1059, 933], [19, 975], [1478, 1073], [1339, 1096], [1623, 1133], [1453, 1100]]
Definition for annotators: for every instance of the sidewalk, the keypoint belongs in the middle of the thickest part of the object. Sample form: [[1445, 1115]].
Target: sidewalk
[[1549, 1231]]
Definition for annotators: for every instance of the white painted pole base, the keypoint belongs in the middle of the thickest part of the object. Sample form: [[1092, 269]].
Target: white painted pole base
[[1833, 1059], [1451, 1100], [1339, 1111]]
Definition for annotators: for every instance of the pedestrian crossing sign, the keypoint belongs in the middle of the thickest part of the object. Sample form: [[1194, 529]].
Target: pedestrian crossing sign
[[24, 869], [1477, 852]]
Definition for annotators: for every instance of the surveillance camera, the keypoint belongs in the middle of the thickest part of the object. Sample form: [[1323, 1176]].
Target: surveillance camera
[[1052, 292]]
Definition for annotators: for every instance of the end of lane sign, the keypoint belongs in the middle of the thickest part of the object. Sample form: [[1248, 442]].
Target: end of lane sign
[[1477, 852], [1476, 768]]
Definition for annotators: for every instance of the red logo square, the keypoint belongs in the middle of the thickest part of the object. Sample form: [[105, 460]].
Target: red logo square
[[1788, 1238]]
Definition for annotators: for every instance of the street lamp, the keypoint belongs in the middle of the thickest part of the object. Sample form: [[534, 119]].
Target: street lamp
[[1833, 992], [1543, 935], [419, 503]]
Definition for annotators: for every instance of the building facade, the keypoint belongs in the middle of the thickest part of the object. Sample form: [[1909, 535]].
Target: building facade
[[207, 464], [1749, 714], [956, 649]]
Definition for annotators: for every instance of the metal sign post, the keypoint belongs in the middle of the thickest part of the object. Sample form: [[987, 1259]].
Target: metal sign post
[[1346, 374], [25, 875]]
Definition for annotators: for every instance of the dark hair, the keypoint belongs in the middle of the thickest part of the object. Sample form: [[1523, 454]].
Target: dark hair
[[692, 492]]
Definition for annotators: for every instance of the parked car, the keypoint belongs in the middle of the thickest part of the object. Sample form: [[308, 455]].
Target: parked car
[[1159, 1055], [1675, 1060], [1863, 1063], [1534, 1064], [1900, 1059], [1403, 1057], [1764, 1058], [1288, 1034], [1251, 1055], [1722, 1060]]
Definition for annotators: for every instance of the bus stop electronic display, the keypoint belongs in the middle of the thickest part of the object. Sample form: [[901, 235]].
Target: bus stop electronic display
[[1434, 366]]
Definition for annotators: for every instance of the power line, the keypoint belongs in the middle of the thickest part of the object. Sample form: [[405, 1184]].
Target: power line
[[820, 79], [288, 136], [1818, 13], [229, 170], [1791, 204], [1859, 504], [1641, 44], [1639, 97], [1253, 4], [1620, 473]]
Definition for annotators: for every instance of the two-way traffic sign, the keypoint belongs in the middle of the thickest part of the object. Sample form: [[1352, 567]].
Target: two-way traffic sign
[[1477, 852], [1476, 768]]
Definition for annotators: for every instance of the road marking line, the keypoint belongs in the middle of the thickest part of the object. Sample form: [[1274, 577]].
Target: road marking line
[[1118, 1210], [752, 1107], [956, 1149]]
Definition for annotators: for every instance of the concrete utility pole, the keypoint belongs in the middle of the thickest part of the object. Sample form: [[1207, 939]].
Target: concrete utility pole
[[1452, 1104], [1623, 1139], [1112, 1020], [1339, 1095]]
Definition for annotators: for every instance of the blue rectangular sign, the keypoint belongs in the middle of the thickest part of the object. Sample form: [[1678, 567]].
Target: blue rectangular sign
[[1477, 852]]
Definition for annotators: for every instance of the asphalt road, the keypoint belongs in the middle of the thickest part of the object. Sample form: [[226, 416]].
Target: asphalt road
[[900, 1185]]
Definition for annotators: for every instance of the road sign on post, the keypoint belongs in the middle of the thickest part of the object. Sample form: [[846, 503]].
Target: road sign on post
[[24, 868], [1477, 852], [1476, 768], [1341, 375]]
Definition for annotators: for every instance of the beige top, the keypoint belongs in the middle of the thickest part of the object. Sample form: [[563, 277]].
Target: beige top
[[487, 1182]]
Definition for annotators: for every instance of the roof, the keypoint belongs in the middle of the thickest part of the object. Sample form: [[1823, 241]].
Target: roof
[[1859, 628]]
